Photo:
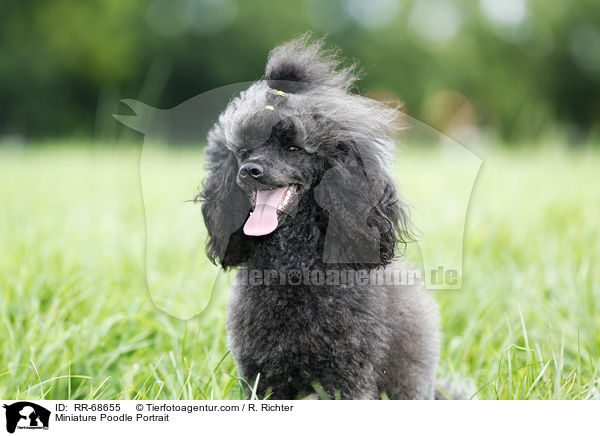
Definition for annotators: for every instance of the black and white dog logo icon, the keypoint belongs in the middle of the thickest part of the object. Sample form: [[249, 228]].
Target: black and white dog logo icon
[[26, 415]]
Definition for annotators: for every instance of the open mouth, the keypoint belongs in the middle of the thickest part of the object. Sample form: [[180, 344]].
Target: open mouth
[[269, 205]]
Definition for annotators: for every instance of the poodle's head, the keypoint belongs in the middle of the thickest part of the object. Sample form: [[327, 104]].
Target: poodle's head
[[296, 137]]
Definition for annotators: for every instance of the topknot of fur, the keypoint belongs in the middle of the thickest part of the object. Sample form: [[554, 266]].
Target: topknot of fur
[[300, 65]]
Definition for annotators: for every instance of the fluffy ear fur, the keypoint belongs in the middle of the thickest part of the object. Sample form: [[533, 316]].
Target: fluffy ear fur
[[300, 65], [225, 206], [365, 216]]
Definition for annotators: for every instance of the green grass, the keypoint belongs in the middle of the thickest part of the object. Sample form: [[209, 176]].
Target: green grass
[[77, 320]]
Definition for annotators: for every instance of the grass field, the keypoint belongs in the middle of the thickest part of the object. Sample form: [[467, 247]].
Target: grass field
[[77, 320]]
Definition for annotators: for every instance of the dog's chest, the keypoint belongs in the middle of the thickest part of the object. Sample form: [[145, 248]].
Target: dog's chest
[[296, 322]]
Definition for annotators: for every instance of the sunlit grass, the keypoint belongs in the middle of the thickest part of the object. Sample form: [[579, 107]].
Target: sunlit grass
[[77, 320]]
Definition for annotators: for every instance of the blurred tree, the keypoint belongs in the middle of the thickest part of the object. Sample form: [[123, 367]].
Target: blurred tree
[[518, 68]]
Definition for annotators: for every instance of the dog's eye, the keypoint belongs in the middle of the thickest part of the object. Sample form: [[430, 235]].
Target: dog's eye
[[293, 148]]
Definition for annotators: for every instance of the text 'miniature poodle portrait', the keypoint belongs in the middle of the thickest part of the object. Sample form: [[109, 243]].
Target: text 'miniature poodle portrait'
[[298, 195]]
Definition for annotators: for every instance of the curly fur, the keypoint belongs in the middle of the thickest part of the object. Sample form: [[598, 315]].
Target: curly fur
[[355, 341]]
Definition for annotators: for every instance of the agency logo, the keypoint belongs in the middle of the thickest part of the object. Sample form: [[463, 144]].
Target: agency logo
[[26, 415], [361, 216]]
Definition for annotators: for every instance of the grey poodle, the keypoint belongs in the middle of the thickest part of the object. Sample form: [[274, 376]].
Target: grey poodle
[[298, 195]]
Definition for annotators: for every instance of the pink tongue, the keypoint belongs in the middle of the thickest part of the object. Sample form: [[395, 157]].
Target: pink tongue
[[263, 220]]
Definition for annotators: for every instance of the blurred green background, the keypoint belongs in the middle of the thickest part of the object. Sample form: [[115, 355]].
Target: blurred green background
[[515, 69]]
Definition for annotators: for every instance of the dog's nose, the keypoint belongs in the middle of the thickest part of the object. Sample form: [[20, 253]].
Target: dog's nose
[[252, 169]]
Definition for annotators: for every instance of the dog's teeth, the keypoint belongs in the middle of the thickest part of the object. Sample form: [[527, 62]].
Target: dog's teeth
[[286, 198]]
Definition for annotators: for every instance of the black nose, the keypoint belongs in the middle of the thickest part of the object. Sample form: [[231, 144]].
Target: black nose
[[252, 169]]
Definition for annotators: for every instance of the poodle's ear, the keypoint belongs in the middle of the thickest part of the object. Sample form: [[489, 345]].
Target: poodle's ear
[[365, 216], [300, 65], [225, 206]]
